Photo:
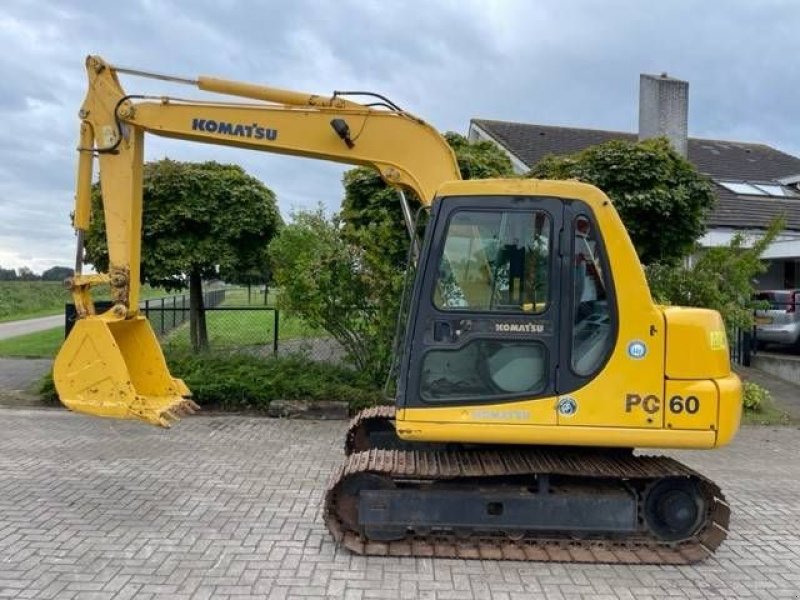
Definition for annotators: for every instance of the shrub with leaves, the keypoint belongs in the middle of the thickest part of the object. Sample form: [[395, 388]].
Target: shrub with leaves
[[242, 382], [719, 278], [754, 397], [333, 285]]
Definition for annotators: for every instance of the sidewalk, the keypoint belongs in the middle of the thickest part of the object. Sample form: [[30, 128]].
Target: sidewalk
[[18, 377], [785, 395]]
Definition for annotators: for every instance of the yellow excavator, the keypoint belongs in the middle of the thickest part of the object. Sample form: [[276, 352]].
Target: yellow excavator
[[532, 360]]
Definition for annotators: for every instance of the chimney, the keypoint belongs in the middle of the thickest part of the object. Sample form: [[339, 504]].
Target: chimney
[[664, 109]]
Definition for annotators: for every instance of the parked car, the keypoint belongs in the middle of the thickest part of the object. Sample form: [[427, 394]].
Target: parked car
[[780, 322]]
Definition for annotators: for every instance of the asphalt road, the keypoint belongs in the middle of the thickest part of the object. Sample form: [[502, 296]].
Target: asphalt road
[[15, 328]]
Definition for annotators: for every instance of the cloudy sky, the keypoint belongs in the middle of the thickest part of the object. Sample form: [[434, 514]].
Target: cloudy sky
[[556, 62]]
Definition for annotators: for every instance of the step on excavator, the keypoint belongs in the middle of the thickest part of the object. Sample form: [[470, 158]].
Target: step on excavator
[[531, 360]]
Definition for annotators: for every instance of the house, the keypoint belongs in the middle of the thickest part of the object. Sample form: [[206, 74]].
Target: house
[[754, 183]]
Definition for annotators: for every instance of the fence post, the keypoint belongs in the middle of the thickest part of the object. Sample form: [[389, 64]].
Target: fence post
[[275, 335], [174, 312], [147, 309], [162, 316], [747, 342]]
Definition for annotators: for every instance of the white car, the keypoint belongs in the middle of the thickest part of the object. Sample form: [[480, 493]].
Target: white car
[[780, 322]]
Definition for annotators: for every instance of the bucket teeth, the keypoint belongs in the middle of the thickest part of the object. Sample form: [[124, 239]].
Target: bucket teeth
[[165, 416]]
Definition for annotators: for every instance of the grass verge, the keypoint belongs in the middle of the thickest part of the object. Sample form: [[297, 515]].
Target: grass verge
[[30, 299], [768, 414], [42, 344], [242, 329]]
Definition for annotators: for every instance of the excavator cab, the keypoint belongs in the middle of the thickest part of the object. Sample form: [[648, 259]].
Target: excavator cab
[[515, 334], [488, 331]]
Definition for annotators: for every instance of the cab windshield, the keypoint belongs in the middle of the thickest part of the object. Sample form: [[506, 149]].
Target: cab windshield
[[495, 261]]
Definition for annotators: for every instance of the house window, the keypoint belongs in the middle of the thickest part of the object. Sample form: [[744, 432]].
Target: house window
[[773, 190], [746, 188]]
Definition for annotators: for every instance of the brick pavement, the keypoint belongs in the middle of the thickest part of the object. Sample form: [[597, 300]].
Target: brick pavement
[[229, 507], [17, 374]]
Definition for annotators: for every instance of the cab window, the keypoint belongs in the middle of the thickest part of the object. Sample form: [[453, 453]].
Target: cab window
[[495, 261], [591, 323]]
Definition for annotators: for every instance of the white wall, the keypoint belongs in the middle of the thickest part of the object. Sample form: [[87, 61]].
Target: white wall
[[786, 245]]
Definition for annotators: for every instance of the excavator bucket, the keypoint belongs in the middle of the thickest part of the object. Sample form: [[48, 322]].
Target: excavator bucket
[[116, 369]]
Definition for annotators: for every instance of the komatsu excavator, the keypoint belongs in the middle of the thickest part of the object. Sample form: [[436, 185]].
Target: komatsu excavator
[[532, 361]]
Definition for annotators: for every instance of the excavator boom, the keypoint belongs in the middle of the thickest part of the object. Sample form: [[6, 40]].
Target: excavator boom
[[111, 364]]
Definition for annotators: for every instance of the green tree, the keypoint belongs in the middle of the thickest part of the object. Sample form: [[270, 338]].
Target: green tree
[[720, 278], [25, 274], [660, 196], [57, 273], [200, 221], [8, 274]]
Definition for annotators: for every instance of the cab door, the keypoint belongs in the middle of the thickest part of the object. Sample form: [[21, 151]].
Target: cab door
[[487, 310]]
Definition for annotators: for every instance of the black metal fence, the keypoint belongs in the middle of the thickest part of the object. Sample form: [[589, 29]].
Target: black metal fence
[[237, 320], [166, 314], [742, 346]]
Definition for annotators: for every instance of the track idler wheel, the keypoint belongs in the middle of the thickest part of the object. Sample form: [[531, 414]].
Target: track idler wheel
[[374, 434], [674, 508]]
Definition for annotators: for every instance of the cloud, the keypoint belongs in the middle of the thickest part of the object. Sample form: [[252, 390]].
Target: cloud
[[553, 62]]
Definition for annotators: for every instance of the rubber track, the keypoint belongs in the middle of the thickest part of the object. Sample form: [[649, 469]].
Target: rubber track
[[376, 413], [429, 465]]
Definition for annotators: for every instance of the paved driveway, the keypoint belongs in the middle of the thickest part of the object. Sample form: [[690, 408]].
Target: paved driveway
[[21, 373], [229, 507]]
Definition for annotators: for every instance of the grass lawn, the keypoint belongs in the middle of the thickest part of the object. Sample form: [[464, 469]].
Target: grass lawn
[[238, 297], [226, 329], [240, 329], [42, 344], [30, 299]]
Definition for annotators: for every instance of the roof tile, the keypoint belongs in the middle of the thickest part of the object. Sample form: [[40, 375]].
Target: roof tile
[[718, 159]]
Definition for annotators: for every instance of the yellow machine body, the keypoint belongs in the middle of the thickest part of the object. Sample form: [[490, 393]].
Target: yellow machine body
[[630, 402]]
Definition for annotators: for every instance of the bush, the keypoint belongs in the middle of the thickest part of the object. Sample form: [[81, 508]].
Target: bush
[[242, 382], [755, 397], [333, 285], [237, 382]]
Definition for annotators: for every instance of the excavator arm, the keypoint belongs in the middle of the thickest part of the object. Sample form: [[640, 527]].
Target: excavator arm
[[407, 152], [111, 364]]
